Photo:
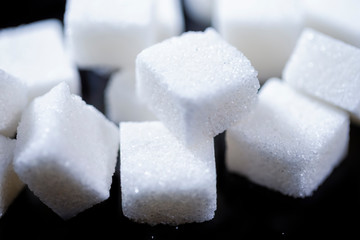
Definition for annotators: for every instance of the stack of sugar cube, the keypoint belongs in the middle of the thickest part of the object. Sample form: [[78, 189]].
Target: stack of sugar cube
[[33, 60], [121, 101], [180, 79], [299, 131], [197, 85], [288, 137], [65, 150], [64, 147]]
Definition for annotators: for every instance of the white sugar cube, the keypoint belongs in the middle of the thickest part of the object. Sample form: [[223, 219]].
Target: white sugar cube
[[108, 33], [163, 182], [199, 10], [35, 54], [121, 101], [66, 152], [10, 184], [264, 30], [196, 84], [169, 19], [13, 99], [327, 69], [337, 18], [289, 142]]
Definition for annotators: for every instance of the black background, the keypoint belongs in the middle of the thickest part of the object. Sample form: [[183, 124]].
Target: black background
[[245, 210]]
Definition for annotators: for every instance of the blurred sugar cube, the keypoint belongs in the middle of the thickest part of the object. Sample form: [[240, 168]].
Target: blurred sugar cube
[[162, 181], [108, 33], [169, 19], [13, 99], [66, 152], [10, 184], [264, 30], [289, 142], [121, 100], [337, 18], [35, 54], [196, 84], [326, 68]]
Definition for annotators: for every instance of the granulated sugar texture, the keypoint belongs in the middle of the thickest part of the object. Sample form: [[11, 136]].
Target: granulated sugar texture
[[10, 184], [66, 152], [196, 84], [13, 99], [161, 180], [326, 68], [171, 92], [289, 142], [35, 53]]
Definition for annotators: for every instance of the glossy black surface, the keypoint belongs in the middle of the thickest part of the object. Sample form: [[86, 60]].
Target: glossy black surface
[[245, 210]]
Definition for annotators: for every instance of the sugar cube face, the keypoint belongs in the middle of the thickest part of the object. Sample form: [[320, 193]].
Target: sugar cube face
[[337, 18], [199, 10], [265, 31], [35, 54], [289, 142], [169, 19], [13, 99], [121, 101], [162, 181], [10, 184], [326, 68], [66, 152], [196, 84], [108, 33]]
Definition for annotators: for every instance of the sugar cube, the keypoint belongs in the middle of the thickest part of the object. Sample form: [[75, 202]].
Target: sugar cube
[[121, 101], [289, 142], [66, 152], [337, 18], [35, 53], [326, 68], [162, 181], [169, 19], [199, 11], [10, 184], [196, 84], [13, 99], [264, 30], [108, 33]]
